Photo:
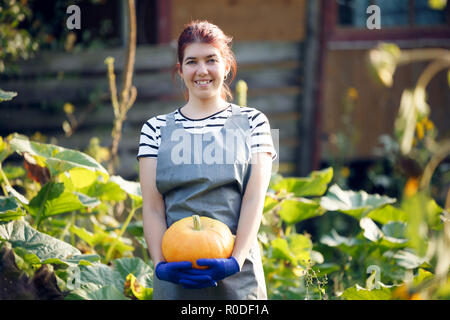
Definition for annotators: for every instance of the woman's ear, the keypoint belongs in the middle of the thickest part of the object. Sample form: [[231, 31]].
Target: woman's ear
[[179, 69]]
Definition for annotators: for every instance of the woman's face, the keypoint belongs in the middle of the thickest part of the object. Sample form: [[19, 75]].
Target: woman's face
[[203, 70]]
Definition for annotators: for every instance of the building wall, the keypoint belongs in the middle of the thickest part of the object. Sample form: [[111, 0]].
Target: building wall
[[245, 20]]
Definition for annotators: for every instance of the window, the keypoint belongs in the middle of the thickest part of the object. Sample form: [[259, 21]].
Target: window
[[346, 21], [398, 13]]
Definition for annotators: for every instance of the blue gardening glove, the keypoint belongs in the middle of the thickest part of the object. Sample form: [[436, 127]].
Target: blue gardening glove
[[218, 268], [190, 284], [175, 271]]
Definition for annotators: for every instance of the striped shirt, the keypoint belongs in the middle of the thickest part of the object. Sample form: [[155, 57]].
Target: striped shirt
[[261, 138]]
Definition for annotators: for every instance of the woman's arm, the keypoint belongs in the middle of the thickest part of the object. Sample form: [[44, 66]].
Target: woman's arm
[[153, 209], [252, 205]]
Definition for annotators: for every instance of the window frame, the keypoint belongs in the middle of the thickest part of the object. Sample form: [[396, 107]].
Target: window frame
[[334, 32]]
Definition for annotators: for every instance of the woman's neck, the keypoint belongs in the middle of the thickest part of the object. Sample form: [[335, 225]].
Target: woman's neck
[[196, 108]]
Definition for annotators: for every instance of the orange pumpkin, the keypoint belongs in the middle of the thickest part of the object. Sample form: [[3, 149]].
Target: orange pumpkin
[[195, 238]]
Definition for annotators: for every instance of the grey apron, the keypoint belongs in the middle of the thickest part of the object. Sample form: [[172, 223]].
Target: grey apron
[[206, 174]]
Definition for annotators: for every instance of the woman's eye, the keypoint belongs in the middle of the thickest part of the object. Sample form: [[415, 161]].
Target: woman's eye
[[212, 60]]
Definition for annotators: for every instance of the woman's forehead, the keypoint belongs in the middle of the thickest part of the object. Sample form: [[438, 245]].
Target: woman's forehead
[[200, 50]]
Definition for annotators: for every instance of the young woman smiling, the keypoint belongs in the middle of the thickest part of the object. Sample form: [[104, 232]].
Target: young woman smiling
[[231, 191]]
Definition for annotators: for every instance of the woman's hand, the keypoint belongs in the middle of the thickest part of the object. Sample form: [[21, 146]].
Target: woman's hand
[[179, 273]]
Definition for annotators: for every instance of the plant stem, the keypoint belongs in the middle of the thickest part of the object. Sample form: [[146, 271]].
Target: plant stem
[[42, 206], [197, 223], [431, 70], [121, 232], [5, 191], [416, 55]]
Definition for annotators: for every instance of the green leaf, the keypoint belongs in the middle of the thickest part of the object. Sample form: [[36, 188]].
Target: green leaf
[[96, 280], [314, 185], [279, 249], [52, 200], [137, 267], [355, 204], [21, 234], [388, 213], [269, 203], [406, 258], [134, 288], [7, 95], [104, 293], [300, 246], [108, 191], [57, 159], [82, 177], [132, 188], [295, 210], [395, 232], [10, 209], [359, 293], [5, 151], [371, 230], [336, 240]]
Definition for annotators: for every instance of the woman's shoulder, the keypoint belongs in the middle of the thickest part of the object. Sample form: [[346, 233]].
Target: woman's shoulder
[[160, 119], [254, 114]]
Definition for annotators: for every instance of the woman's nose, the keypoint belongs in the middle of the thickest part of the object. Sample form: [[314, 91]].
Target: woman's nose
[[202, 69]]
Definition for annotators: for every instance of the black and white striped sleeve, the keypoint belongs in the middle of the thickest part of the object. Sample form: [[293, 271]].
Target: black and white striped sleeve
[[149, 139], [261, 136]]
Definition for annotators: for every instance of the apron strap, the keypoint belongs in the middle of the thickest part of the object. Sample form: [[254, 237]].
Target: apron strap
[[236, 110], [170, 119]]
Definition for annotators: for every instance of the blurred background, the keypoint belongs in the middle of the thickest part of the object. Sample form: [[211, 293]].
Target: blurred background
[[305, 64]]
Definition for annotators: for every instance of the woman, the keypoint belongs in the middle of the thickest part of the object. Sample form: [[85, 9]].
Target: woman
[[179, 179]]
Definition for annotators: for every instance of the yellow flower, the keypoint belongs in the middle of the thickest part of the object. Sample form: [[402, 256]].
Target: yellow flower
[[429, 125], [345, 172], [411, 186], [352, 93], [68, 108], [419, 130]]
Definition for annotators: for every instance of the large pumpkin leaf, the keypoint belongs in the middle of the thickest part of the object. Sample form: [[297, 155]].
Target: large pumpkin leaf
[[53, 199], [355, 204], [314, 185], [21, 234], [56, 158], [102, 282], [295, 210]]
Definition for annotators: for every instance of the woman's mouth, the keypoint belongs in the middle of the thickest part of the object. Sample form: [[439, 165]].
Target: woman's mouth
[[202, 82]]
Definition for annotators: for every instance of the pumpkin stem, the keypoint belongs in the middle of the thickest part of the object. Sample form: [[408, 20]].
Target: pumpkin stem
[[197, 223]]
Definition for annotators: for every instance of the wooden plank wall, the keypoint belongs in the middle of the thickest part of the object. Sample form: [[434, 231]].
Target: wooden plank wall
[[271, 69]]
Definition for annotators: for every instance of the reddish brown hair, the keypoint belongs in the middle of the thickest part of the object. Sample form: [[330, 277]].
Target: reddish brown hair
[[206, 32]]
